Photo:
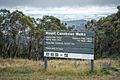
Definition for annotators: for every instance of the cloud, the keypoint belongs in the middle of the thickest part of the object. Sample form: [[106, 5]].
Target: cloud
[[66, 10], [68, 13], [63, 9]]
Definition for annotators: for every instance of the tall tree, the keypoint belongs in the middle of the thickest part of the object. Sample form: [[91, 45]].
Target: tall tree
[[107, 34]]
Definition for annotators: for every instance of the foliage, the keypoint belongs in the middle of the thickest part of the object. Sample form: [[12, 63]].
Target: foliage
[[107, 31], [21, 36]]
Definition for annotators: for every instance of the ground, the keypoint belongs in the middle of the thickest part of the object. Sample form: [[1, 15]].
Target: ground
[[23, 69], [116, 78]]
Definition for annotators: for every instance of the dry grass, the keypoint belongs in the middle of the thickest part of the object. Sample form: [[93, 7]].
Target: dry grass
[[23, 69]]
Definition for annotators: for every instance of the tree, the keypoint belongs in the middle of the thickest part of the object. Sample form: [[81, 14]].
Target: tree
[[3, 15], [107, 31], [52, 23], [22, 36]]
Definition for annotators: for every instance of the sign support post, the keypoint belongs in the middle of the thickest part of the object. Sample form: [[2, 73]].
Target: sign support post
[[91, 65], [45, 63]]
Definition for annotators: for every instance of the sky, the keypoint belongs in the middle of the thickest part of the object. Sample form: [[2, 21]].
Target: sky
[[63, 9]]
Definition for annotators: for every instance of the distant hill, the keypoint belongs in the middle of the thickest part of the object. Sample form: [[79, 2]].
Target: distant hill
[[80, 24]]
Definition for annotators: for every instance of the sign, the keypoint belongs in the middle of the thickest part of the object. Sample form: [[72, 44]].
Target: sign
[[76, 45]]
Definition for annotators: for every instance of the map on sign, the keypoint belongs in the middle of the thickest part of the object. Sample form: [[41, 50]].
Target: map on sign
[[76, 45]]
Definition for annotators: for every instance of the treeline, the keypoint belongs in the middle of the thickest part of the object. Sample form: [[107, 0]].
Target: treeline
[[107, 29], [21, 36]]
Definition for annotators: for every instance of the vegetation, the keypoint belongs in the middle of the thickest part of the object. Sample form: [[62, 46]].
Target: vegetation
[[21, 36], [107, 39], [19, 69]]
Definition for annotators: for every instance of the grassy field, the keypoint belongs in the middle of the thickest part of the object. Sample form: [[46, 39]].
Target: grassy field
[[23, 69]]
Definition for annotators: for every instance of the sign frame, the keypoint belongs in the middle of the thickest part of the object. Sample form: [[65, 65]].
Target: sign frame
[[82, 49], [73, 55]]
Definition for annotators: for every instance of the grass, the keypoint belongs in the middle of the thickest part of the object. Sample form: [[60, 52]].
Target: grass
[[23, 69]]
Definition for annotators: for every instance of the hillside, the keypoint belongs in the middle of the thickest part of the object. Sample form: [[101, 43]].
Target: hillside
[[80, 24]]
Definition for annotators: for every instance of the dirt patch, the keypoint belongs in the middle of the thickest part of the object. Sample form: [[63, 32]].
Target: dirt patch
[[116, 78]]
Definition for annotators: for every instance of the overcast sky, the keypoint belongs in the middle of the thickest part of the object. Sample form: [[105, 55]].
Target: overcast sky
[[63, 9], [57, 3]]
